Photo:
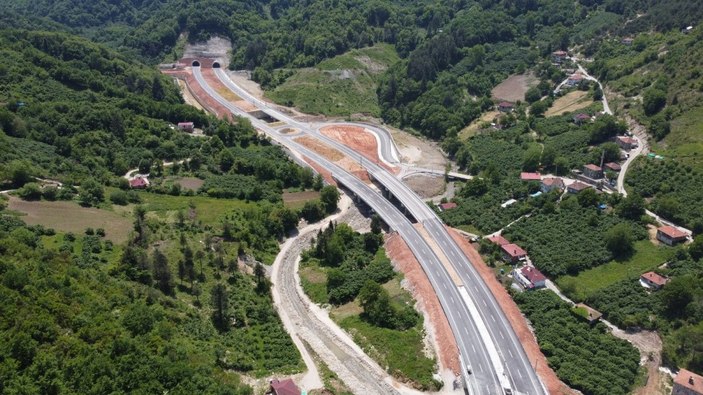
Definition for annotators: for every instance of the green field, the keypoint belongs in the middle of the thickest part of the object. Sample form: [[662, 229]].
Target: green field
[[343, 85], [647, 257], [208, 210]]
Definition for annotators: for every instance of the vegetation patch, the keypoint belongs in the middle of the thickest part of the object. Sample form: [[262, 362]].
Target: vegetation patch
[[570, 102], [296, 200]]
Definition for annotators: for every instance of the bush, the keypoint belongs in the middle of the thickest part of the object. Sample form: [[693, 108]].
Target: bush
[[120, 198], [30, 191]]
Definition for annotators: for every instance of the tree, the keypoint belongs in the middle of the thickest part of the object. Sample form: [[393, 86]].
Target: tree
[[587, 198], [329, 196], [91, 193], [162, 273], [312, 211], [220, 307], [530, 160], [696, 248], [318, 182], [30, 191], [377, 305], [532, 95], [376, 224], [632, 207], [619, 240], [19, 172], [119, 197], [538, 108], [653, 101]]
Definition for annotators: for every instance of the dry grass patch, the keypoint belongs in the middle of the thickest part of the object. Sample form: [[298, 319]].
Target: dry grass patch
[[475, 126], [570, 102], [320, 148], [70, 217], [347, 310], [514, 87], [191, 183], [298, 199]]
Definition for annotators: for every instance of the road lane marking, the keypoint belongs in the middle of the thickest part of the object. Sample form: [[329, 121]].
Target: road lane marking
[[511, 353]]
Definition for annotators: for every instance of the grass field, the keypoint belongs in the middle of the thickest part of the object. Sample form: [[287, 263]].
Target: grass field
[[514, 87], [207, 209], [296, 200], [474, 126], [647, 257], [191, 183], [343, 85], [572, 101], [71, 217]]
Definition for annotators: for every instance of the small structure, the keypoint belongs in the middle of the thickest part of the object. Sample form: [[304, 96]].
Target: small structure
[[505, 106], [498, 239], [559, 56], [626, 143], [653, 281], [670, 235], [612, 166], [574, 79], [138, 182], [529, 277], [508, 203], [577, 186], [186, 126], [687, 30], [627, 40], [581, 118], [513, 253], [551, 183], [687, 383], [525, 176], [285, 387], [588, 313], [593, 171], [447, 206]]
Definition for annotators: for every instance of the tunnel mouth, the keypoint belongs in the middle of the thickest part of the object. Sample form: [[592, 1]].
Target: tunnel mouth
[[196, 63], [216, 65]]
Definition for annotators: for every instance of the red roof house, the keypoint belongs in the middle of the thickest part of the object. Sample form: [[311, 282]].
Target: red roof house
[[447, 206], [138, 183], [559, 56], [687, 383], [626, 143], [670, 235], [285, 387], [581, 118], [505, 106], [498, 239], [513, 253], [551, 183], [530, 176], [574, 79], [653, 280], [186, 126], [530, 278], [612, 166], [577, 186], [592, 171]]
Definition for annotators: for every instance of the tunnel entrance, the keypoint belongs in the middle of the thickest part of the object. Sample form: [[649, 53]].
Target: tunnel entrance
[[196, 63], [216, 65]]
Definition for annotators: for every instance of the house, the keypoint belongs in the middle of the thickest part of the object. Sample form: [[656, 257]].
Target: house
[[513, 253], [670, 235], [138, 183], [530, 176], [580, 118], [559, 56], [447, 206], [551, 183], [588, 313], [653, 280], [627, 40], [186, 126], [577, 186], [574, 79], [687, 383], [593, 171], [626, 143], [529, 277], [498, 239], [505, 106], [612, 166], [285, 387]]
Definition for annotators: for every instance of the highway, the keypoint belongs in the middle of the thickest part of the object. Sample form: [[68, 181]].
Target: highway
[[502, 353]]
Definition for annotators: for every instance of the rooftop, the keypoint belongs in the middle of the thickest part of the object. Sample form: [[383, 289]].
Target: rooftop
[[498, 239], [514, 250], [672, 232], [655, 278], [578, 186], [553, 181], [576, 77], [505, 104], [627, 140], [532, 274], [593, 167], [530, 176], [592, 313], [285, 387], [613, 166], [448, 206], [689, 380]]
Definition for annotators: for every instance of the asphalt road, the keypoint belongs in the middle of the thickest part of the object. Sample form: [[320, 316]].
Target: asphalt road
[[474, 346]]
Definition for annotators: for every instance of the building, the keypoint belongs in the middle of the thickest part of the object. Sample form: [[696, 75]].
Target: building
[[285, 387], [559, 56], [447, 206], [626, 143], [551, 183], [529, 277], [186, 126], [687, 383], [588, 313], [513, 253], [581, 118], [593, 171], [505, 106], [498, 239], [612, 166], [138, 183], [525, 176], [574, 79], [670, 235], [653, 280], [577, 186], [627, 40]]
